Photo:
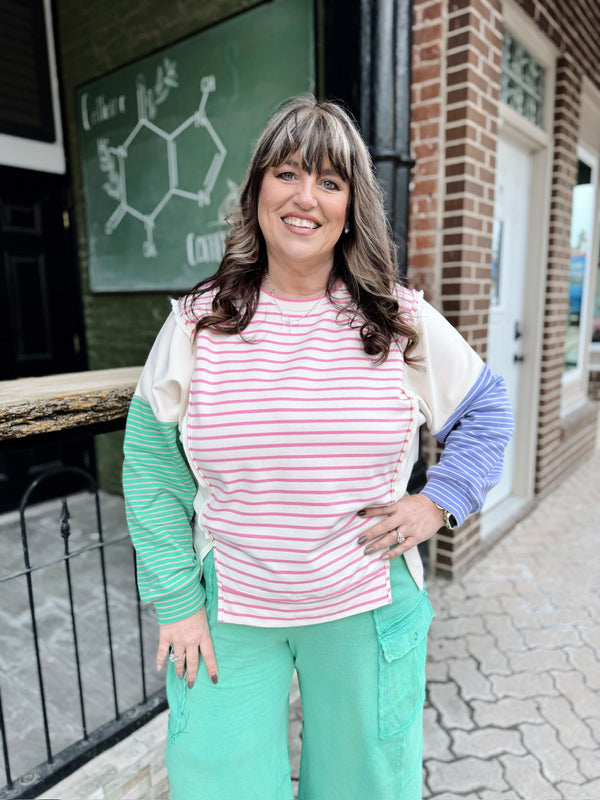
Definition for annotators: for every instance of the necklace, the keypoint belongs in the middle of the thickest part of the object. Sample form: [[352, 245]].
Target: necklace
[[295, 320]]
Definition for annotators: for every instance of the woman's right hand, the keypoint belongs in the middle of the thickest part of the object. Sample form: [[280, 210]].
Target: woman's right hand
[[188, 637]]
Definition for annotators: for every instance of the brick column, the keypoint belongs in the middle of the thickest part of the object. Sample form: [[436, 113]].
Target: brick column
[[551, 455], [473, 70]]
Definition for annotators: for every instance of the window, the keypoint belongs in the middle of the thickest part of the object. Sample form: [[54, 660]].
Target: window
[[596, 311], [522, 82], [582, 219], [25, 95]]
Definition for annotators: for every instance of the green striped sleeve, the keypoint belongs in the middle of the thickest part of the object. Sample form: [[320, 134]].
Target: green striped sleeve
[[159, 493]]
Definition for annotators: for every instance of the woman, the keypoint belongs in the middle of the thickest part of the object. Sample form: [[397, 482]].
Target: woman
[[268, 449]]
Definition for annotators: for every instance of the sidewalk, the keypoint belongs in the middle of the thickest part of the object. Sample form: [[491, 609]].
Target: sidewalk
[[513, 708]]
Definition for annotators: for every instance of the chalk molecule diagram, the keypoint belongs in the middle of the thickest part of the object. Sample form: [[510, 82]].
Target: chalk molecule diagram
[[113, 160]]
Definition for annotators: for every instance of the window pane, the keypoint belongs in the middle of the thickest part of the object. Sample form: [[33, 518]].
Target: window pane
[[522, 81], [581, 242], [596, 311]]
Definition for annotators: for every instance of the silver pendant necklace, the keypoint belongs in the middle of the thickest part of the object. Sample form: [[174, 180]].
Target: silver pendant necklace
[[289, 319]]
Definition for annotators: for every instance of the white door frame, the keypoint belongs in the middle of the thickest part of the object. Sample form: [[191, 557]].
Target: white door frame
[[538, 141]]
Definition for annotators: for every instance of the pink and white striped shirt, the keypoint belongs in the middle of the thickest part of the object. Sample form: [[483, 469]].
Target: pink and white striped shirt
[[294, 430], [289, 431]]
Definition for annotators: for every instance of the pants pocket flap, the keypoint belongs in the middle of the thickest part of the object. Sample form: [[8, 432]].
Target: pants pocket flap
[[400, 637]]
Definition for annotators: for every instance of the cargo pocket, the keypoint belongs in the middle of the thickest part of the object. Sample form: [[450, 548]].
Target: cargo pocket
[[402, 654], [178, 698]]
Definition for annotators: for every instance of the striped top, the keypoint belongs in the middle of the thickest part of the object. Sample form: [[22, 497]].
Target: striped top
[[288, 432]]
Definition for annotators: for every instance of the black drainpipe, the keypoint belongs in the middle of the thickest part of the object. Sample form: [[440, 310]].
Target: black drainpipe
[[365, 48]]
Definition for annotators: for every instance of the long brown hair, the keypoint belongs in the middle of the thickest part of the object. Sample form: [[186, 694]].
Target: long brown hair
[[364, 258]]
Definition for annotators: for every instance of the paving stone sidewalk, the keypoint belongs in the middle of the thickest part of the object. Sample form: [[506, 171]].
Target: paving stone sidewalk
[[513, 707]]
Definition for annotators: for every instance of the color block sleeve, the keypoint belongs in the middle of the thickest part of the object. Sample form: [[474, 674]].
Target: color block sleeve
[[466, 408], [158, 486]]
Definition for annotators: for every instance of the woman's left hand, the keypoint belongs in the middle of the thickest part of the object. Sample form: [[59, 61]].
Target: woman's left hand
[[415, 516]]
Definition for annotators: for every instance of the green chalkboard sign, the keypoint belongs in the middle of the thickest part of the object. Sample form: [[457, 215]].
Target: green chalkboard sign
[[165, 141]]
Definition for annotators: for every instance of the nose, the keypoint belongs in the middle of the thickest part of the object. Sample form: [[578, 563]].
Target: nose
[[305, 196]]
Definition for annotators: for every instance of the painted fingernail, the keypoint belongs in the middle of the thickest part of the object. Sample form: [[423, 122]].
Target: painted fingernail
[[214, 678], [190, 684], [362, 540], [370, 549], [385, 557], [158, 667], [361, 513]]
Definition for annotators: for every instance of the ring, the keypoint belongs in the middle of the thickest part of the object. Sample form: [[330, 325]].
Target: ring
[[174, 658], [401, 538]]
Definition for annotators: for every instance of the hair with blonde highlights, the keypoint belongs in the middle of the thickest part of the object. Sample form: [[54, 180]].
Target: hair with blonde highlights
[[364, 258]]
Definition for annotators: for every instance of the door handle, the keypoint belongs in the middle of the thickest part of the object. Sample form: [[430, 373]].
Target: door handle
[[518, 359], [518, 331]]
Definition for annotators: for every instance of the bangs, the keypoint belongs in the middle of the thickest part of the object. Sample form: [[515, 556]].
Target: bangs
[[313, 138]]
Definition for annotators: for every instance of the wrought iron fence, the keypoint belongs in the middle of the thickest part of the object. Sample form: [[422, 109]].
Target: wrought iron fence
[[75, 674]]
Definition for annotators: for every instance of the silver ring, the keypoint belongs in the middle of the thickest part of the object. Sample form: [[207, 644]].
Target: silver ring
[[173, 658], [401, 538]]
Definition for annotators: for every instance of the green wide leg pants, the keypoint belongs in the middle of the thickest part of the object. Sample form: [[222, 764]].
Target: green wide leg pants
[[362, 684]]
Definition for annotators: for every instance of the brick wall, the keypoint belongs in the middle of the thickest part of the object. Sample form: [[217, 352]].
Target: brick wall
[[550, 458], [456, 77], [573, 26], [456, 80]]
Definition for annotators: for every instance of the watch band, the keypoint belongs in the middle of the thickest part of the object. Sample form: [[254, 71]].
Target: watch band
[[450, 520]]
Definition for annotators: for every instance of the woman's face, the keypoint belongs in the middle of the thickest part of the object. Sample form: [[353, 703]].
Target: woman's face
[[302, 214]]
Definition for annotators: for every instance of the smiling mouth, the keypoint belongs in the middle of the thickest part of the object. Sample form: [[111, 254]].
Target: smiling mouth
[[297, 222]]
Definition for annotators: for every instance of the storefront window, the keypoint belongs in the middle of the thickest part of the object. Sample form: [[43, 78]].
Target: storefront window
[[596, 311], [582, 216]]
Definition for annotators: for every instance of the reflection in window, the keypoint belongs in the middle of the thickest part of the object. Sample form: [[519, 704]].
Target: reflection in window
[[581, 243], [596, 311]]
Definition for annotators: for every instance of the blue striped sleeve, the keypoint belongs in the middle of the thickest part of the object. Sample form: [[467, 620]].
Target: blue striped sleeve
[[474, 437]]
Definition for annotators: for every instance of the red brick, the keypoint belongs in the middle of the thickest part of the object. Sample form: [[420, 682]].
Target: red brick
[[431, 90], [426, 72], [426, 111], [427, 33]]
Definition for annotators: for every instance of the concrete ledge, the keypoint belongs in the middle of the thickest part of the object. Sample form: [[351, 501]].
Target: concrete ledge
[[34, 406], [134, 769]]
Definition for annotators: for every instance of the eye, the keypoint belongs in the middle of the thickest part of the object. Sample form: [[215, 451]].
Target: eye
[[328, 183], [286, 176]]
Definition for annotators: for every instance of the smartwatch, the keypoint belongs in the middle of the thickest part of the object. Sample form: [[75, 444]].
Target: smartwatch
[[449, 519]]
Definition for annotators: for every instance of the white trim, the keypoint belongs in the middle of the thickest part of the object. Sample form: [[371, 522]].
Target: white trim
[[16, 151], [528, 33], [525, 131], [539, 142]]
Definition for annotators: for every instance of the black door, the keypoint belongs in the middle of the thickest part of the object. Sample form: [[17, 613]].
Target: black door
[[41, 330]]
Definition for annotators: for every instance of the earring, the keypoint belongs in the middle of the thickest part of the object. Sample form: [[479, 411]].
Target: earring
[[347, 227]]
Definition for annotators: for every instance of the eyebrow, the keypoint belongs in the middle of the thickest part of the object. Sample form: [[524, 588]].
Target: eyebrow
[[291, 162]]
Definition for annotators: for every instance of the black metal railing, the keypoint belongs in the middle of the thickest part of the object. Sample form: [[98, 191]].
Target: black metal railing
[[73, 650]]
